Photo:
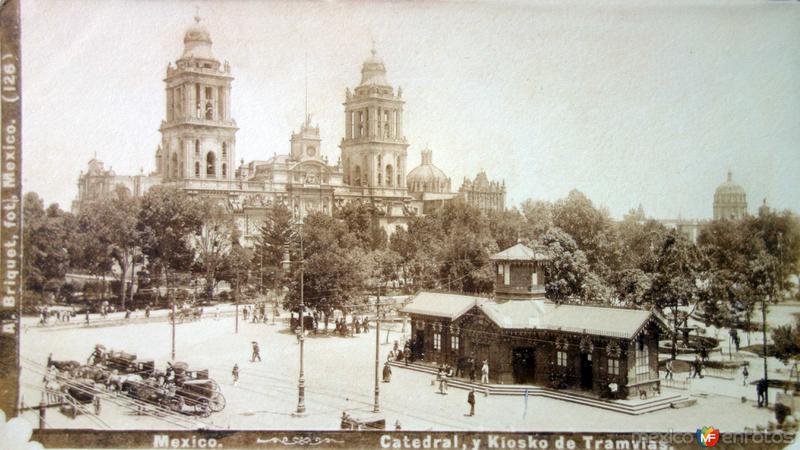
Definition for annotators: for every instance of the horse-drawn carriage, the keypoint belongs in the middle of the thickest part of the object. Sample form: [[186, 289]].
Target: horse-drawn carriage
[[76, 398], [198, 396], [69, 385], [178, 388], [187, 313], [182, 390]]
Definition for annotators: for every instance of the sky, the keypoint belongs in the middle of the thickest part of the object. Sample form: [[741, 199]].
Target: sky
[[629, 102]]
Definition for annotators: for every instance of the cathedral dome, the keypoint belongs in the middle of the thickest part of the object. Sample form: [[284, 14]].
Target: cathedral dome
[[373, 72], [197, 41], [729, 192], [730, 200], [426, 177]]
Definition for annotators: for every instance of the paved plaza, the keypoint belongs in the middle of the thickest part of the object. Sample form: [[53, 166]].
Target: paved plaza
[[339, 374]]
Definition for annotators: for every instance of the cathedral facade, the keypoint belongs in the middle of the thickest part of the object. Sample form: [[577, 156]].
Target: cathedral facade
[[197, 152]]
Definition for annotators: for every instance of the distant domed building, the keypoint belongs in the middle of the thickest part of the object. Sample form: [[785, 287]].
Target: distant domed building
[[426, 177], [730, 200]]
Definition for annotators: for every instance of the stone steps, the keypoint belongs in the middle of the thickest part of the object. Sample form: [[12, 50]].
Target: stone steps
[[632, 408]]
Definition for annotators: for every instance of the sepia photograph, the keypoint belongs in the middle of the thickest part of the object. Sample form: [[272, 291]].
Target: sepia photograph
[[334, 224]]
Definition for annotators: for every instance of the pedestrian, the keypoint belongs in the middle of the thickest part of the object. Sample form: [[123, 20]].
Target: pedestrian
[[761, 392], [235, 374], [256, 353], [745, 374], [298, 332], [439, 376], [471, 363], [127, 313], [387, 373], [216, 312], [668, 368], [147, 311], [485, 372], [696, 366], [471, 401], [87, 316], [700, 368], [244, 313], [397, 426]]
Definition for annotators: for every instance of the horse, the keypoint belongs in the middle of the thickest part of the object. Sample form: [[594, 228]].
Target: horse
[[62, 366], [122, 382]]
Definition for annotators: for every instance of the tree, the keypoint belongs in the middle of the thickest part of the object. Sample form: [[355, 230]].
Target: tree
[[334, 268], [780, 234], [786, 341], [361, 221], [591, 228], [213, 243], [538, 217], [109, 236], [167, 219], [675, 282], [47, 237], [568, 267], [464, 247], [272, 243], [235, 267], [507, 227]]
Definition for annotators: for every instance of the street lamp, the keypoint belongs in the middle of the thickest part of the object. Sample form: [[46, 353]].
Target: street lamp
[[301, 382], [377, 407]]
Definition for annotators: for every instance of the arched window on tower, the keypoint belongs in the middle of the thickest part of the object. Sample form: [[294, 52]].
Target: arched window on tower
[[197, 169], [197, 148], [224, 150], [209, 107], [380, 170], [357, 176], [389, 175], [211, 164], [224, 170], [174, 165]]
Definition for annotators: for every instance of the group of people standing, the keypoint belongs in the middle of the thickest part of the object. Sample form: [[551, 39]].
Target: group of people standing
[[258, 312], [360, 324], [61, 316]]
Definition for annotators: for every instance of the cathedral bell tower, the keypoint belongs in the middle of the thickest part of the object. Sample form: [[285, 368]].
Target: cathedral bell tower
[[374, 147], [198, 135]]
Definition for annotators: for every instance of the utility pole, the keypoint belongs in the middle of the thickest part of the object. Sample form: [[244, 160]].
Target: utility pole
[[377, 406], [764, 338], [261, 272], [174, 313], [236, 300], [301, 382]]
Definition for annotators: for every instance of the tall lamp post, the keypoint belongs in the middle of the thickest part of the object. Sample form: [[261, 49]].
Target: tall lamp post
[[377, 407], [301, 382], [174, 313]]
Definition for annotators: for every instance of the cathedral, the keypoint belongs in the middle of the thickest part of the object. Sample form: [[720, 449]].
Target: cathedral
[[197, 153]]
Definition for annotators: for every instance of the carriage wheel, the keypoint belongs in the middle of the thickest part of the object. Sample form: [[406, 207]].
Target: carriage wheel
[[204, 409], [175, 404], [217, 402]]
